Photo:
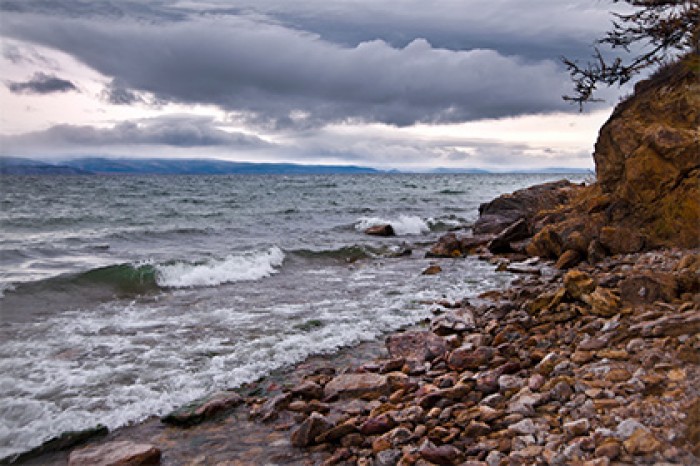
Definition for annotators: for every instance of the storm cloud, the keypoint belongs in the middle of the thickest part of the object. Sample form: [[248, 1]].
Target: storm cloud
[[281, 76], [42, 83]]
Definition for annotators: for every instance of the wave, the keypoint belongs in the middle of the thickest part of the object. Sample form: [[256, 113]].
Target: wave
[[353, 253], [404, 225], [135, 279], [233, 268]]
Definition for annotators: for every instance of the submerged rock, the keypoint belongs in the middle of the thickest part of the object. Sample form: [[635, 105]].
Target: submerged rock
[[120, 453], [200, 410], [381, 230]]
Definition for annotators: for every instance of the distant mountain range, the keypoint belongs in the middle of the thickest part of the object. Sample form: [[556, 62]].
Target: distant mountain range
[[109, 166], [106, 166]]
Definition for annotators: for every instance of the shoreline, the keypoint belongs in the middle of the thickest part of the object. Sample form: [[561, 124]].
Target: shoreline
[[552, 369]]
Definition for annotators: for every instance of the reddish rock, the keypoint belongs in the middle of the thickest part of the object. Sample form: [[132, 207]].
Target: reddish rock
[[308, 389], [467, 358], [568, 259], [620, 240], [642, 442], [578, 283], [378, 425], [363, 385], [417, 346], [433, 269], [444, 454], [546, 243], [381, 230], [120, 453], [687, 323], [199, 411]]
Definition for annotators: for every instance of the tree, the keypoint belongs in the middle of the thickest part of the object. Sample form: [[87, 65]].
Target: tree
[[658, 31]]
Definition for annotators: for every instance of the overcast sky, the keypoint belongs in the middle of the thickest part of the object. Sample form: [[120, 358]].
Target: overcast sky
[[388, 84]]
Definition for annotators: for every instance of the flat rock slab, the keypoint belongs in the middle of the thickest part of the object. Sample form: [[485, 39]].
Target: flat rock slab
[[363, 385], [201, 410], [121, 453]]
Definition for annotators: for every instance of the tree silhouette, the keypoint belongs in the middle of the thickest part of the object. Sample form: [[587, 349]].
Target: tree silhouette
[[657, 30]]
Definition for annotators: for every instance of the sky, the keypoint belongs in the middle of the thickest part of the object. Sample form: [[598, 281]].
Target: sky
[[401, 84]]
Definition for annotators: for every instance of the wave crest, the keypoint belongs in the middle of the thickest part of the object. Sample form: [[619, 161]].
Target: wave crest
[[233, 268], [404, 225]]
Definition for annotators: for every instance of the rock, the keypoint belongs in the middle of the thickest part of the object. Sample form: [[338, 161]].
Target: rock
[[417, 346], [568, 259], [336, 433], [648, 288], [451, 245], [201, 410], [609, 448], [387, 458], [595, 252], [626, 428], [642, 442], [646, 158], [381, 230], [577, 428], [308, 389], [603, 302], [620, 240], [307, 432], [378, 425], [271, 408], [524, 427], [546, 243], [466, 358], [444, 454], [64, 441], [578, 283], [687, 323], [506, 209], [432, 269], [363, 385], [453, 322], [119, 453], [502, 242]]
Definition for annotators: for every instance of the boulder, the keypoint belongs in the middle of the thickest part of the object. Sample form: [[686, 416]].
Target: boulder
[[468, 358], [451, 245], [546, 243], [417, 346], [120, 453], [360, 385], [570, 258], [621, 240], [578, 283], [381, 230], [507, 209], [432, 269]]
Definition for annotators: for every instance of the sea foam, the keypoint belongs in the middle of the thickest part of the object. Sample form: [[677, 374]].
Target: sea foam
[[233, 268], [404, 225]]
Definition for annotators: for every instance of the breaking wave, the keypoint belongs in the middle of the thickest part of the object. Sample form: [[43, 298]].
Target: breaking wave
[[404, 225]]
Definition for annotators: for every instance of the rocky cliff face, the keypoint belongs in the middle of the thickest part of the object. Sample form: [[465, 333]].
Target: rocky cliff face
[[648, 158]]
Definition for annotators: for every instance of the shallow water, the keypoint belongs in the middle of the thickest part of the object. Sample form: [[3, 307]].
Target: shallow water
[[124, 297]]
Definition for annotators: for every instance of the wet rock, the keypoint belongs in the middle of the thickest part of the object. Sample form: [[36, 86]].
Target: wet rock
[[336, 433], [201, 410], [307, 432], [417, 346], [381, 230], [308, 389], [432, 269], [271, 408], [362, 385], [120, 453], [450, 245]]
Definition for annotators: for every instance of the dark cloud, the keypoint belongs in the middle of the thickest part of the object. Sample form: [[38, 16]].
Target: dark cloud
[[117, 94], [174, 131], [42, 83], [272, 73]]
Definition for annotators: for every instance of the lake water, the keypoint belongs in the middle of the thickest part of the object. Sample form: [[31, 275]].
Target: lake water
[[125, 297]]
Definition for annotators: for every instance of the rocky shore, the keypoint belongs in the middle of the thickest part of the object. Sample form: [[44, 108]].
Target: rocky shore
[[591, 357]]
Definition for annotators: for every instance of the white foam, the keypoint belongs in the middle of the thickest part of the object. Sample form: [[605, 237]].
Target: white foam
[[404, 225], [234, 268]]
